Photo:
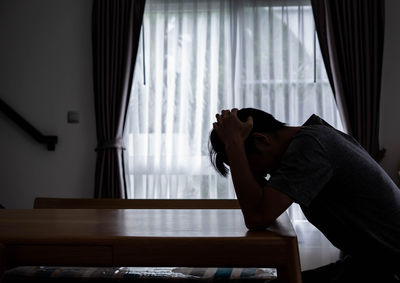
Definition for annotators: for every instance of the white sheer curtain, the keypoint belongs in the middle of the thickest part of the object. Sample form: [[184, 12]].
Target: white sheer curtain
[[198, 57]]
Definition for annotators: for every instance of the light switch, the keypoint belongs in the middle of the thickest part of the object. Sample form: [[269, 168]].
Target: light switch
[[73, 117]]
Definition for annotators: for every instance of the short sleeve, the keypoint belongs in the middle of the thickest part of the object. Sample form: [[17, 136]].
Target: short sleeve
[[304, 170]]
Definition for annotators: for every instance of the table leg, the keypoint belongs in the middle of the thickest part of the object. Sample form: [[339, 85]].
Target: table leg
[[288, 275], [291, 272], [2, 261]]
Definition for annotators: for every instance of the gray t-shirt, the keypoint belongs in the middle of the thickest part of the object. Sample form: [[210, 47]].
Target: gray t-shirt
[[342, 191]]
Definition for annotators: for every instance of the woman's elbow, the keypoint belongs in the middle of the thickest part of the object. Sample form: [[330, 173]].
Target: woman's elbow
[[257, 224]]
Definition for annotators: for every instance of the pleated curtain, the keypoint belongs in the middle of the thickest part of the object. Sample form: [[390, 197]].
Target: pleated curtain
[[351, 36], [115, 30]]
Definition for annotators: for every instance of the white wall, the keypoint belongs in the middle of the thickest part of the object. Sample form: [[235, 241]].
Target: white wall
[[390, 94], [45, 71]]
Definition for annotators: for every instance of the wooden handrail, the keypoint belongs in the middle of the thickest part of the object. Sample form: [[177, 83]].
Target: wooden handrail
[[49, 141]]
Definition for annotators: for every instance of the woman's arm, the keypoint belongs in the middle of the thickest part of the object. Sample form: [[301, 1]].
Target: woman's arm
[[260, 205]]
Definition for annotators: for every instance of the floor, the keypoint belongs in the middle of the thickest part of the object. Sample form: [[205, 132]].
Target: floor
[[315, 249]]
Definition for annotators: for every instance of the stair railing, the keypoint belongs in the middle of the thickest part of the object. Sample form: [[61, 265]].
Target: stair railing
[[49, 141]]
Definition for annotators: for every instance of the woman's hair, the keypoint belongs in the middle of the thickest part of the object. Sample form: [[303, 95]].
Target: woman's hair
[[262, 123]]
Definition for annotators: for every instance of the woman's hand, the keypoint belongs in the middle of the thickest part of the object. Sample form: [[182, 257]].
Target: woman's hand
[[230, 129]]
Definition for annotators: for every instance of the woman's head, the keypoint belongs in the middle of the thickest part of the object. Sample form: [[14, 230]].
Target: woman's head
[[262, 123]]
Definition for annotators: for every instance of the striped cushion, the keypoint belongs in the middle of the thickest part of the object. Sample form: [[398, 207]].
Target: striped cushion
[[144, 274]]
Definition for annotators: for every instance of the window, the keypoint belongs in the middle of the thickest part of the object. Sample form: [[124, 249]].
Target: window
[[198, 57]]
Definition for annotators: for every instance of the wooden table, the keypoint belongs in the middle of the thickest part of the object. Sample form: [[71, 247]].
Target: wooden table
[[145, 237]]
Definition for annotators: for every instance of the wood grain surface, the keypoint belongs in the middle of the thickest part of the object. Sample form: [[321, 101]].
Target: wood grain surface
[[146, 237]]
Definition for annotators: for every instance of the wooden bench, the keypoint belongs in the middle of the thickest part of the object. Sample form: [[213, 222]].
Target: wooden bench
[[51, 203]]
